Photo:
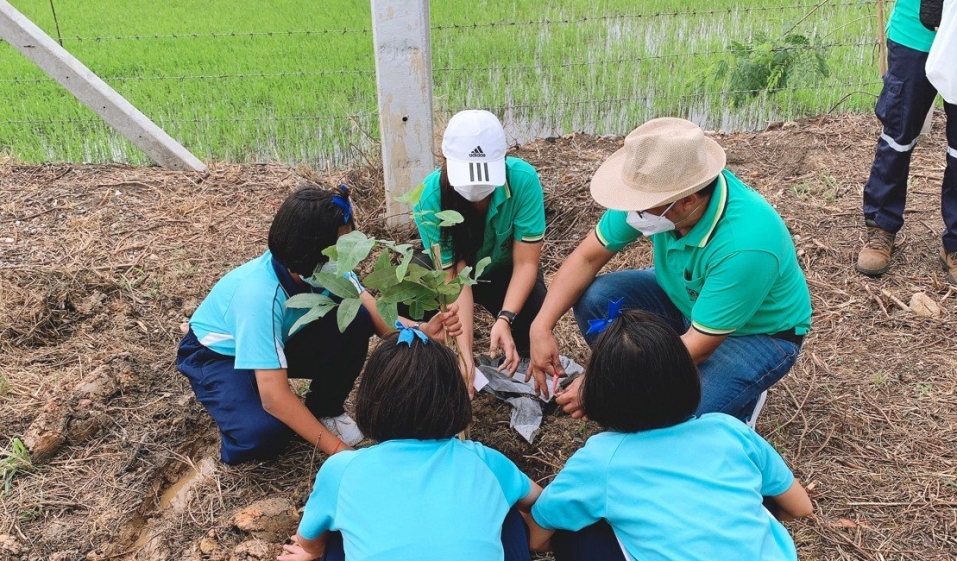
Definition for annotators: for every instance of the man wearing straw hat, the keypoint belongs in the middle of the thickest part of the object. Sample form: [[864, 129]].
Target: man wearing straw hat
[[725, 272]]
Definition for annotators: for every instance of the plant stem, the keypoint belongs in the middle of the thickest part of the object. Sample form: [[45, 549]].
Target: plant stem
[[449, 340]]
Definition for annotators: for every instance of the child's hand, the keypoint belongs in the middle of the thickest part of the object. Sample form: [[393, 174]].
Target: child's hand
[[295, 552], [448, 321]]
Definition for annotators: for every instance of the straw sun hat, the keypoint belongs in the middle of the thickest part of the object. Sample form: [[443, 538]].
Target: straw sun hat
[[662, 161]]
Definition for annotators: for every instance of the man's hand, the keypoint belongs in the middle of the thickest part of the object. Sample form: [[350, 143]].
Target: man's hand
[[570, 399], [444, 322], [544, 362], [501, 338]]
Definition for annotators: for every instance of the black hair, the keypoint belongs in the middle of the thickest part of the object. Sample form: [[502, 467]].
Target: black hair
[[708, 189], [640, 376], [412, 391], [307, 223], [468, 236]]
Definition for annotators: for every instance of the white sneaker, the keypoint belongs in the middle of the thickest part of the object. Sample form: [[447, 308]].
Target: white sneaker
[[343, 427]]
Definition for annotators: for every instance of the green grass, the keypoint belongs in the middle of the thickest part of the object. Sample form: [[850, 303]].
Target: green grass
[[13, 461], [294, 81]]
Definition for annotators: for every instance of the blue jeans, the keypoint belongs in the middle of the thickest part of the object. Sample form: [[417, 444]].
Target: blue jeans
[[332, 360], [906, 98], [514, 541], [733, 376]]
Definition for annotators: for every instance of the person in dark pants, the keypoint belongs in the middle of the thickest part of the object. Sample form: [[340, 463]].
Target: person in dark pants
[[420, 492], [906, 98], [239, 353], [502, 203]]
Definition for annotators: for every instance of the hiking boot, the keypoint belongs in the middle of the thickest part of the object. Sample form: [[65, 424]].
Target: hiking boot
[[343, 427], [875, 257], [949, 262]]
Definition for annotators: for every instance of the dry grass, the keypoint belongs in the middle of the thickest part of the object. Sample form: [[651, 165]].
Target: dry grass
[[105, 263]]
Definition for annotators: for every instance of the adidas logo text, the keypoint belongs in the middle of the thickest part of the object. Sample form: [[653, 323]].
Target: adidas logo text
[[477, 153]]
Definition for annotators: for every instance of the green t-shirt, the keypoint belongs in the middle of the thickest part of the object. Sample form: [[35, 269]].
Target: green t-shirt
[[735, 273], [516, 212], [905, 27]]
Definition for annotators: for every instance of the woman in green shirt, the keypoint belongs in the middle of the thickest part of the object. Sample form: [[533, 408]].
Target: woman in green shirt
[[502, 203]]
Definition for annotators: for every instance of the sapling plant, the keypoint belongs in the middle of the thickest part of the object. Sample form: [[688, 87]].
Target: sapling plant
[[394, 280]]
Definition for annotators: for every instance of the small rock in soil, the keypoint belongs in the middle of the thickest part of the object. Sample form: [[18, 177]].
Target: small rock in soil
[[924, 306], [272, 519], [252, 549], [9, 545], [46, 433]]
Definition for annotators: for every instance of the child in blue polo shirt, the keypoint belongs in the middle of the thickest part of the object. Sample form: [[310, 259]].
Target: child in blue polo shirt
[[239, 354], [662, 484], [420, 493]]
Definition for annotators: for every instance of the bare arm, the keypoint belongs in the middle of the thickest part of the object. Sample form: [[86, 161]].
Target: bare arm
[[435, 327], [570, 282], [794, 503], [279, 401], [701, 345], [525, 263], [538, 537]]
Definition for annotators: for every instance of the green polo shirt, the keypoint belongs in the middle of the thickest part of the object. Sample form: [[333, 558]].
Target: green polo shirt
[[735, 273], [516, 212], [905, 27]]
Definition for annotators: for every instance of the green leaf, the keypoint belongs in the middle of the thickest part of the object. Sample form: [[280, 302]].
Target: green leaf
[[416, 310], [383, 273], [449, 218], [389, 311], [331, 253], [352, 249], [481, 265], [311, 316], [411, 198], [309, 300], [451, 290], [405, 292], [337, 285], [403, 267], [347, 311]]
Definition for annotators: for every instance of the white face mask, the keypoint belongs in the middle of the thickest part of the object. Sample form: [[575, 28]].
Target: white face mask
[[474, 193], [650, 224]]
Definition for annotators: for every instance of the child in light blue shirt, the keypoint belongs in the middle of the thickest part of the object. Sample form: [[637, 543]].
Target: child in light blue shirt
[[662, 484], [420, 493]]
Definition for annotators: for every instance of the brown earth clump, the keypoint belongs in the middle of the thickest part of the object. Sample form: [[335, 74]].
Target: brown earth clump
[[100, 266]]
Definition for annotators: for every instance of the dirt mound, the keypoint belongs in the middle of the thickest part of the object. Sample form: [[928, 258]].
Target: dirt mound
[[100, 265]]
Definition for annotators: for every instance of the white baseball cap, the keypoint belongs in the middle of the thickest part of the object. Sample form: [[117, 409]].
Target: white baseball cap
[[474, 147]]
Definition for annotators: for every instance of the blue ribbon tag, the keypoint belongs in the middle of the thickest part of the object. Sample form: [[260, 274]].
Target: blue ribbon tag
[[341, 200], [408, 334], [599, 325]]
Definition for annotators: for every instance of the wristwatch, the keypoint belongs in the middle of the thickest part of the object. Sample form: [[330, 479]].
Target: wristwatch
[[507, 316]]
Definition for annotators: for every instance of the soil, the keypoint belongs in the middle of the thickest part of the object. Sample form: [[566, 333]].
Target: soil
[[100, 266]]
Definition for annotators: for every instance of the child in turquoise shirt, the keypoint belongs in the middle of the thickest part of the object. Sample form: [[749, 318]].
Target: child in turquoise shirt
[[420, 493], [662, 484]]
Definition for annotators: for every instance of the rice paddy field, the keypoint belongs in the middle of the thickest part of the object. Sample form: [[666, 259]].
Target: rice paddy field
[[294, 81]]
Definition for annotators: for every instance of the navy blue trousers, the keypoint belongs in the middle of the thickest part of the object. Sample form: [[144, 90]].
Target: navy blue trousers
[[591, 543], [332, 360], [514, 541], [906, 98]]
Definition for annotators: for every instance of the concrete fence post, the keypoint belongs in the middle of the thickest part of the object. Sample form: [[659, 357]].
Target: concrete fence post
[[403, 66]]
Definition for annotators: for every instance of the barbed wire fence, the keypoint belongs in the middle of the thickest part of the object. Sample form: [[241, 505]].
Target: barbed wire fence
[[599, 73]]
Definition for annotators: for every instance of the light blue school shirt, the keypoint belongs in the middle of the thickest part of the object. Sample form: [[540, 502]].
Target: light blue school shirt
[[428, 500], [690, 492], [904, 26]]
